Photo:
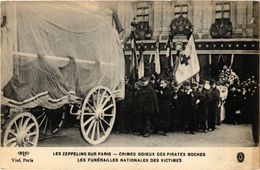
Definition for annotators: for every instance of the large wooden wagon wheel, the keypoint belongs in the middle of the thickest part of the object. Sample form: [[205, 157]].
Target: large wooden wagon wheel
[[21, 130], [98, 115], [50, 121]]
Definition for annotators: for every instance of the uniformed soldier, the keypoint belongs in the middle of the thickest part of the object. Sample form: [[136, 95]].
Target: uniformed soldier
[[147, 106]]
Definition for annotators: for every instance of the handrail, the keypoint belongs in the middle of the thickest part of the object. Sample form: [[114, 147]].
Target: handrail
[[32, 55]]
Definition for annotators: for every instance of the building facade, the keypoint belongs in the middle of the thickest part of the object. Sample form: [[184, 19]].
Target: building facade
[[223, 30]]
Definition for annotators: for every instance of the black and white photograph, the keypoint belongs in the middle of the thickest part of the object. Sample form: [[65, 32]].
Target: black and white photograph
[[130, 74]]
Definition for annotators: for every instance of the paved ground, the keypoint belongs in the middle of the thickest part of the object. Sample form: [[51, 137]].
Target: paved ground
[[224, 135]]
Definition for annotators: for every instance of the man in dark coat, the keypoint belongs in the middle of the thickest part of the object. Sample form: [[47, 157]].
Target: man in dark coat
[[147, 106], [129, 106], [230, 105], [192, 115], [164, 98], [213, 104], [179, 107], [187, 105], [233, 105], [203, 106]]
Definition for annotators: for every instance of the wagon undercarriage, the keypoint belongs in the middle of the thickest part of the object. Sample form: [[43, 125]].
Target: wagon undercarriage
[[96, 113]]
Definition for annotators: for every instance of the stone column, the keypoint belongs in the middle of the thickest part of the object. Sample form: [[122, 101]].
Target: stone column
[[166, 16], [249, 21], [240, 26], [207, 18], [157, 25], [197, 17]]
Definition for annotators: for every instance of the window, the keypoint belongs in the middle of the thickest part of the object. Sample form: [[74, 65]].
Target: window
[[143, 16], [181, 10], [222, 10]]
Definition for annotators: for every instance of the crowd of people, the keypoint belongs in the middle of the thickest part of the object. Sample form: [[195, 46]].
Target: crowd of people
[[153, 105]]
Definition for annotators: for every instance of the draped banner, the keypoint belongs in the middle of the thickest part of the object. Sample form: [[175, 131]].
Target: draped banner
[[157, 58], [188, 63]]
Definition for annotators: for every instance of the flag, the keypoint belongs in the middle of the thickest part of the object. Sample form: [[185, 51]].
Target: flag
[[157, 58], [169, 53], [231, 61], [141, 67], [133, 63], [188, 63]]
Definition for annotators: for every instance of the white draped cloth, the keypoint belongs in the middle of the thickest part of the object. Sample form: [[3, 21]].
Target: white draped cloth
[[223, 95]]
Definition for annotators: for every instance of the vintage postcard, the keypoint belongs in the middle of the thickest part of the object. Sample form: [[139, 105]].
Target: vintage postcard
[[129, 85]]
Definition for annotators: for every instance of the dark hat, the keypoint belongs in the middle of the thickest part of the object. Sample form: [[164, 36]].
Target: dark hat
[[144, 79], [152, 78], [212, 81], [186, 83], [202, 81], [194, 84], [218, 83]]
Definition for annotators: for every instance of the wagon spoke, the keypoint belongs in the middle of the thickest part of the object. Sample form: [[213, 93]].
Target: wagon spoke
[[31, 143], [92, 114], [98, 98], [93, 130], [90, 119], [90, 126], [42, 120], [21, 123], [102, 127], [40, 115], [105, 102], [108, 107], [98, 133], [13, 144], [16, 126], [102, 97], [106, 122], [45, 126], [26, 123], [94, 101], [11, 141], [91, 107], [50, 123], [29, 127], [13, 133], [31, 133]]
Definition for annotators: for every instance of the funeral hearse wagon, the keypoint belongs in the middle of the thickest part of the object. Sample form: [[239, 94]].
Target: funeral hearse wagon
[[58, 60]]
